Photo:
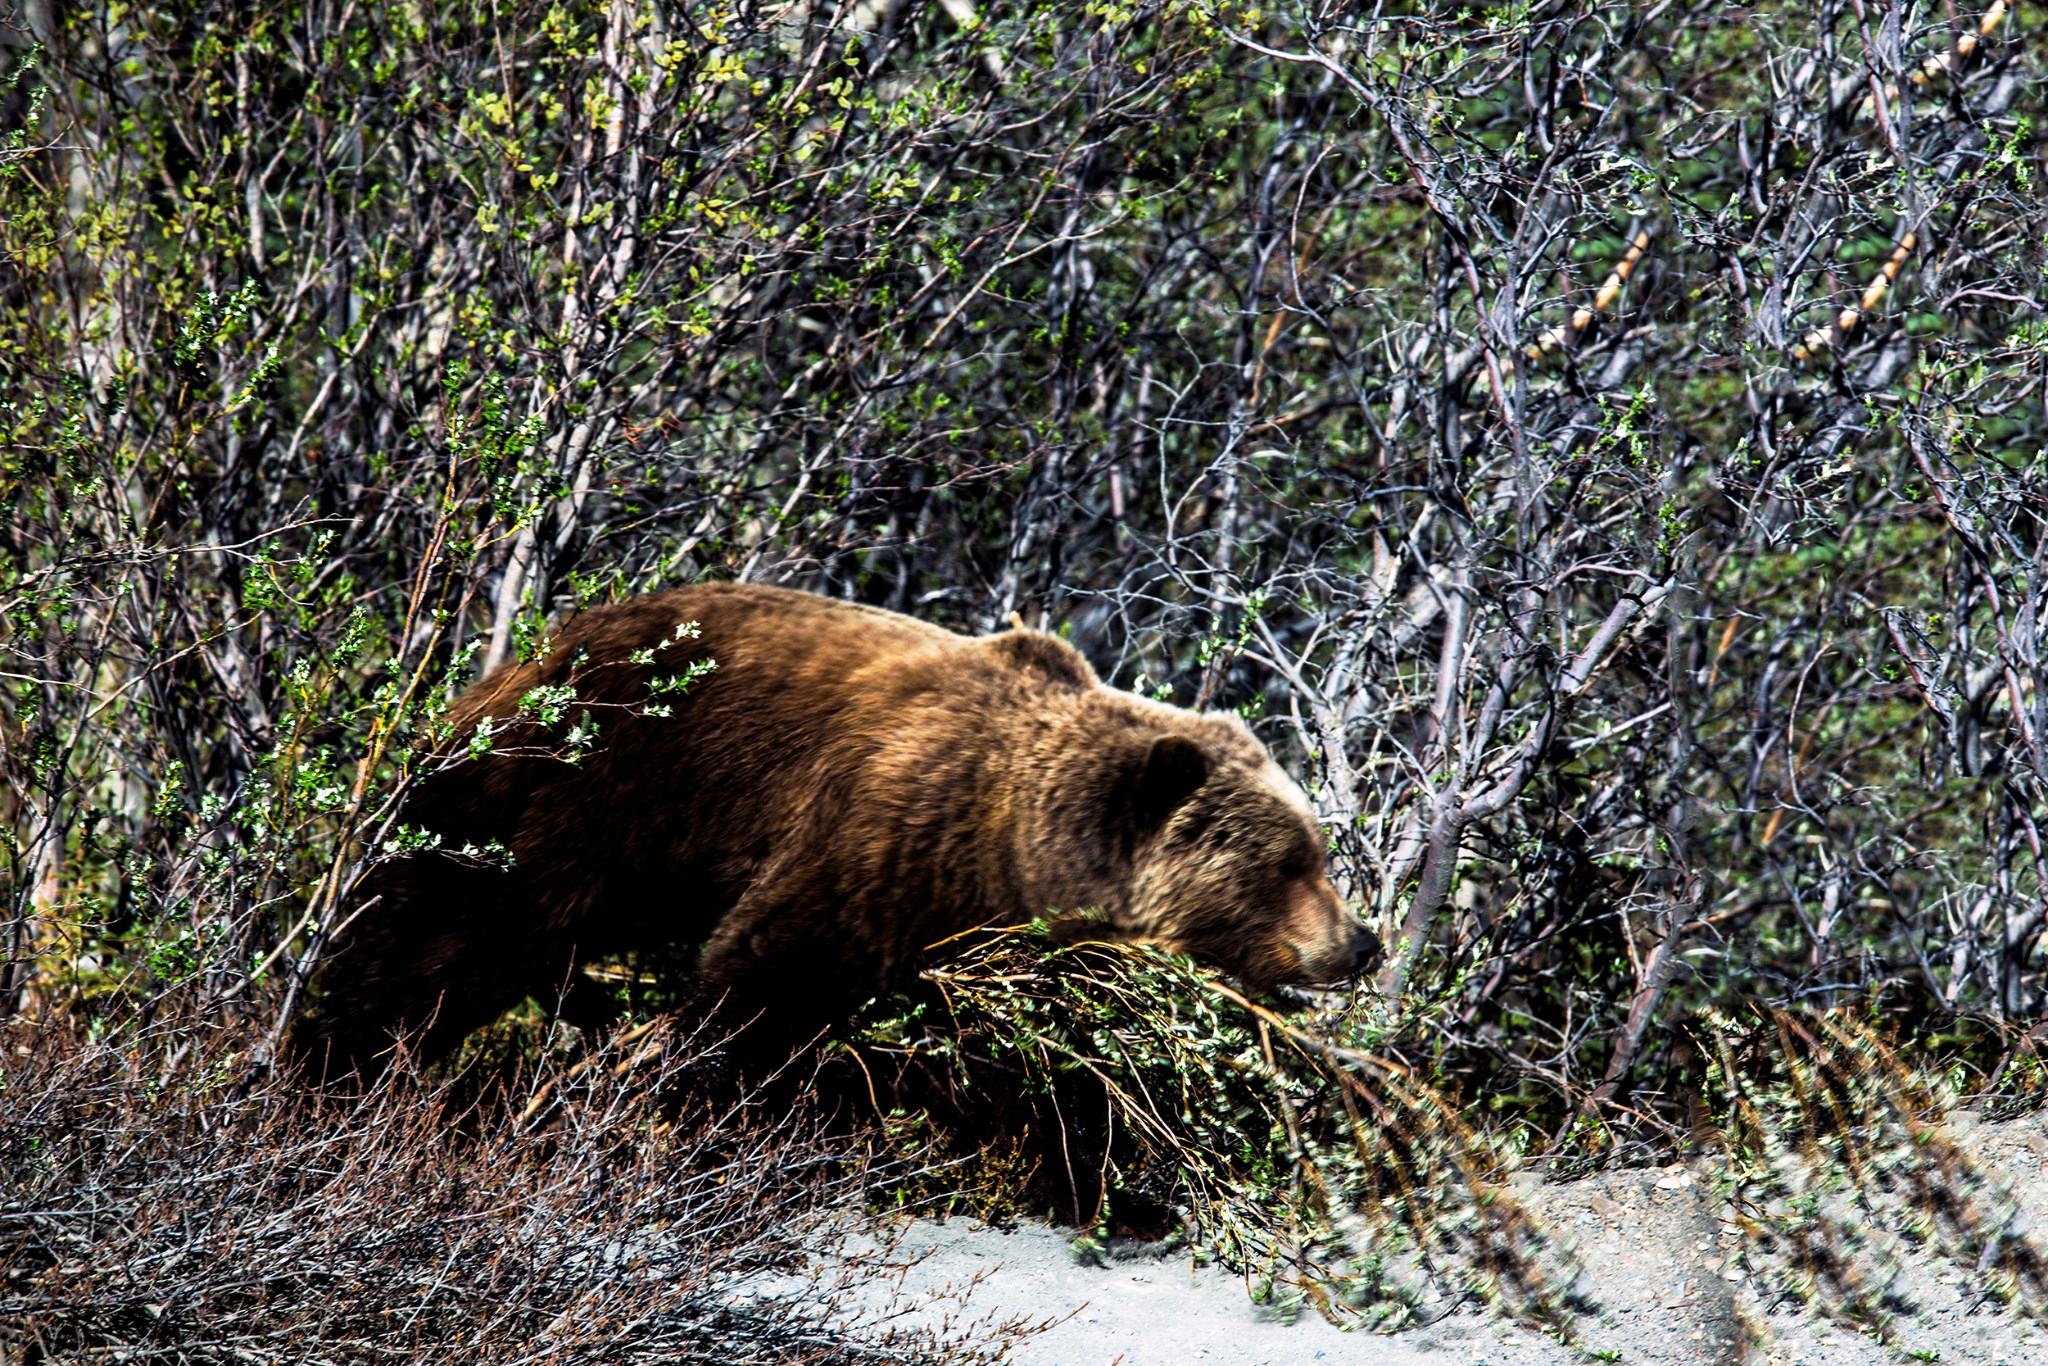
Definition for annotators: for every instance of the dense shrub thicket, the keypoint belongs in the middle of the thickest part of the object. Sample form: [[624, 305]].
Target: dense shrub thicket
[[1600, 446]]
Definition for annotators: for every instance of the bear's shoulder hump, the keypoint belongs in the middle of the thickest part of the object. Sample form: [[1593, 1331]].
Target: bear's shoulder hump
[[1046, 656]]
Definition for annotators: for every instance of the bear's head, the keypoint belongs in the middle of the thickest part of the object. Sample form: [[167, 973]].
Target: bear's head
[[1220, 857]]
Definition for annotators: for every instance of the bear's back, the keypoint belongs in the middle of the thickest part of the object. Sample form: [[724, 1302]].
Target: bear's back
[[812, 660], [803, 697]]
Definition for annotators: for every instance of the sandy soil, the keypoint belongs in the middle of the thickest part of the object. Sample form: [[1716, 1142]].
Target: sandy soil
[[1656, 1255]]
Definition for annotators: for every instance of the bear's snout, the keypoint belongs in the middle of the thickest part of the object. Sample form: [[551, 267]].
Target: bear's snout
[[1365, 950], [1347, 949], [1327, 939]]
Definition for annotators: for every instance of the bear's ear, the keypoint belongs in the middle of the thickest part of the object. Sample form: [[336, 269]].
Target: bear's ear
[[1173, 768]]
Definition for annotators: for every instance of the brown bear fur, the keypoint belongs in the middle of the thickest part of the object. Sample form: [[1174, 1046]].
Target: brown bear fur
[[845, 789]]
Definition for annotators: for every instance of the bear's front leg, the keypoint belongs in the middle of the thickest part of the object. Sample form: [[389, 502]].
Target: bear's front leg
[[439, 947], [780, 967]]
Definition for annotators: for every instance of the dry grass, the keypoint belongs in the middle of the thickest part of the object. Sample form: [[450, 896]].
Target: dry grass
[[159, 1202]]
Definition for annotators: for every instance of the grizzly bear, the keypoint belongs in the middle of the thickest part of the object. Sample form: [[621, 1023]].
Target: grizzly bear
[[818, 793]]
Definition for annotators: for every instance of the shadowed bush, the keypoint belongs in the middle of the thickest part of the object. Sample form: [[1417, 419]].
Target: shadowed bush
[[1132, 1092], [1135, 1093]]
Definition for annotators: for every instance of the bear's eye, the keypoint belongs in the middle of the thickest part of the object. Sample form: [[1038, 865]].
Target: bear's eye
[[1293, 868]]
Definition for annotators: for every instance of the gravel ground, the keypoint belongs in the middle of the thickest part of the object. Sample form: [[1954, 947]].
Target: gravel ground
[[1654, 1249]]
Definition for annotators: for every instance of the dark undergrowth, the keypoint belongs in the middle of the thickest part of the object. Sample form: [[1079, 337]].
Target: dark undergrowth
[[545, 1197]]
